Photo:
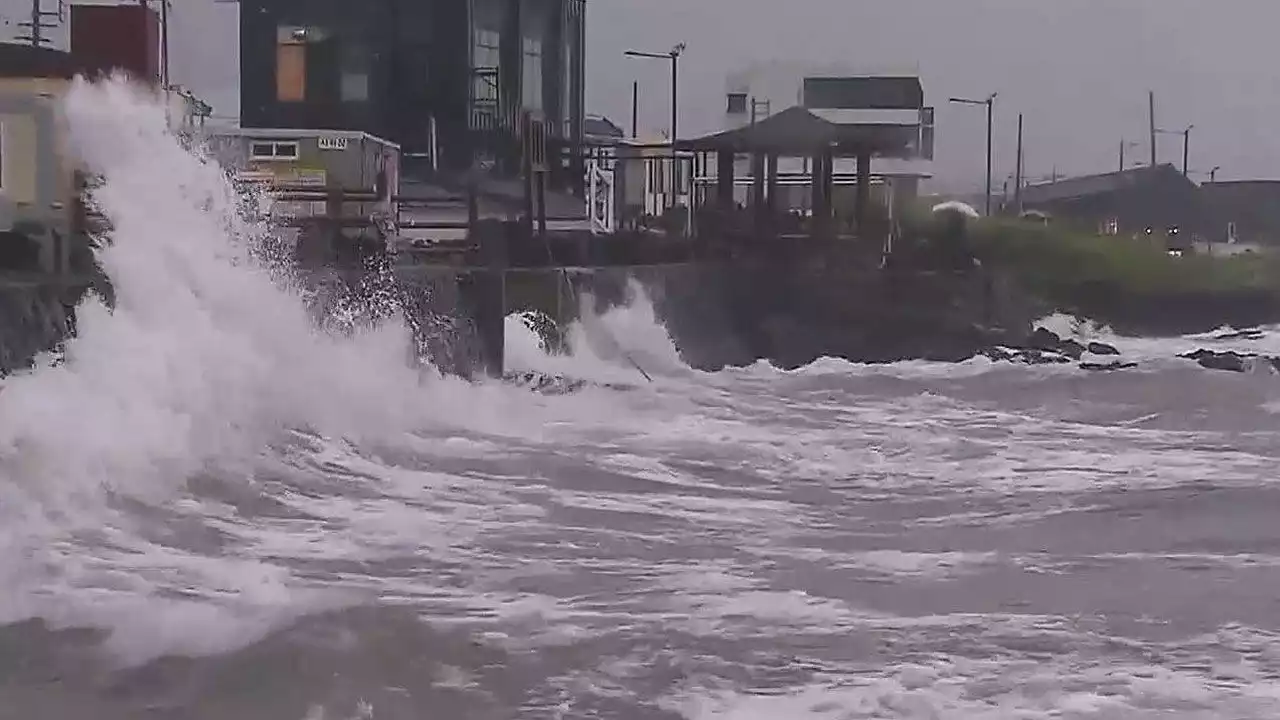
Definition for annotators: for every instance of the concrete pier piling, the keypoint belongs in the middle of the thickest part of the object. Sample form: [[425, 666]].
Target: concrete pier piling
[[483, 293]]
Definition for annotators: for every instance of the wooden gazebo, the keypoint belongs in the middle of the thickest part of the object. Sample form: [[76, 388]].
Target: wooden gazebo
[[800, 132]]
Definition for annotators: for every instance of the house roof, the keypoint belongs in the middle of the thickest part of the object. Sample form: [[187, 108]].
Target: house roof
[[797, 130], [1092, 185], [601, 126]]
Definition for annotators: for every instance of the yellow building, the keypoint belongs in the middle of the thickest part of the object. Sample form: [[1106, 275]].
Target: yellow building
[[42, 218]]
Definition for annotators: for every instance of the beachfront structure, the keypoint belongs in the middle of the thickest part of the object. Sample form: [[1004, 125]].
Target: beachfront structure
[[325, 183], [38, 198], [451, 81], [845, 97]]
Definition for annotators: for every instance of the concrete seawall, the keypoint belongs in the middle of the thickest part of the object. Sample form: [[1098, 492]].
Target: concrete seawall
[[718, 314]]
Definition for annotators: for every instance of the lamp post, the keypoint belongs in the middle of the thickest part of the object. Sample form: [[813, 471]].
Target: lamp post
[[1186, 144], [990, 102], [673, 56], [1213, 174]]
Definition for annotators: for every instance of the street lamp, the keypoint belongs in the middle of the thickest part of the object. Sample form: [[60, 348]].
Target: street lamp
[[1186, 143], [672, 55], [1213, 174], [990, 102]]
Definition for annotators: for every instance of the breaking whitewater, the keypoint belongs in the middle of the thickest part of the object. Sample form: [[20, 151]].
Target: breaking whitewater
[[213, 510]]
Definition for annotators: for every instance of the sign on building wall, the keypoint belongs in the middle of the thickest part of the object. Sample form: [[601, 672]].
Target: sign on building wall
[[332, 142]]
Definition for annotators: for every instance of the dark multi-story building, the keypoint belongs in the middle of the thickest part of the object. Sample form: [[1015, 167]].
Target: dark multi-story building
[[451, 81]]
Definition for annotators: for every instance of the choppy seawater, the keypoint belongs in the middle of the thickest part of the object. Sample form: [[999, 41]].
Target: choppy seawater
[[209, 511]]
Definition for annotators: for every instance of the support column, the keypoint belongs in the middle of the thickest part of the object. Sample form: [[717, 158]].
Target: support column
[[482, 292], [759, 209], [862, 201], [815, 191], [724, 180], [771, 191]]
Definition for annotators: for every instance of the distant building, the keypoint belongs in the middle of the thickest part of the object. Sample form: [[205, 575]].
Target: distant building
[[847, 98], [1247, 211], [448, 80], [1160, 201]]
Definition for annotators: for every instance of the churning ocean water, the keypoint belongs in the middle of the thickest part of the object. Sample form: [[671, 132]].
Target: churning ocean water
[[212, 510]]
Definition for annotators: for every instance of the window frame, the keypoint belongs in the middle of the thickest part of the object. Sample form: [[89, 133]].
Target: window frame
[[276, 146]]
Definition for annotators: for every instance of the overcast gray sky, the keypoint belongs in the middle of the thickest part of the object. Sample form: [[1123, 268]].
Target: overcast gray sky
[[1078, 69]]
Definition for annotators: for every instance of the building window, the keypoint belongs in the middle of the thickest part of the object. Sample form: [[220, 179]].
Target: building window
[[485, 58], [531, 74], [354, 83], [291, 63], [273, 150]]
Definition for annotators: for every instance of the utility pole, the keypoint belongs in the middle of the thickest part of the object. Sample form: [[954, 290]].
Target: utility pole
[[990, 102], [635, 108], [1151, 123], [1186, 144], [672, 55], [1121, 154], [1017, 182]]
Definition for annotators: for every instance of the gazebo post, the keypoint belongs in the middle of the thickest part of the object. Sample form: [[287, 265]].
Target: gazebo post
[[815, 189], [822, 192], [724, 180], [771, 192], [758, 205], [862, 200]]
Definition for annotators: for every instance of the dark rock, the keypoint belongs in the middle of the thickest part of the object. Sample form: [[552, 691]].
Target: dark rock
[[1213, 360], [548, 384], [1108, 366], [1049, 341], [1097, 348], [1043, 339], [1072, 348], [1025, 356]]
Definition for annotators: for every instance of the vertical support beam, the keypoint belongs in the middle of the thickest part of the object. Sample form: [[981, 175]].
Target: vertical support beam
[[540, 199], [333, 221], [862, 198], [822, 192], [815, 190], [578, 30], [771, 183], [724, 180], [757, 179], [483, 294], [1151, 124], [759, 208], [1017, 170]]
